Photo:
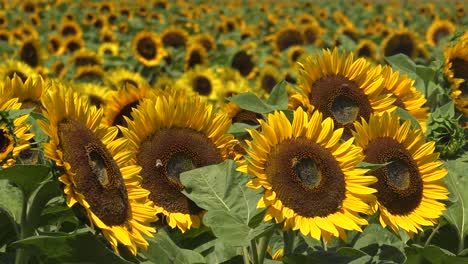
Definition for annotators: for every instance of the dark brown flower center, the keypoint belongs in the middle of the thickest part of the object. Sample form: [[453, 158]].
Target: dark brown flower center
[[401, 43], [202, 85], [268, 82], [125, 111], [399, 186], [174, 39], [96, 175], [164, 156], [341, 99], [243, 62], [289, 38], [29, 54], [460, 70], [306, 177], [4, 140], [147, 48]]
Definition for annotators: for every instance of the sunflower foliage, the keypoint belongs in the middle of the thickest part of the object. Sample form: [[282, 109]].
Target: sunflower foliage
[[233, 131]]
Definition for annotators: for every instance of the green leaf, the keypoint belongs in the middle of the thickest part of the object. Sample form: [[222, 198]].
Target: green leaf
[[457, 213], [230, 204], [376, 234], [317, 257], [44, 194], [431, 254], [402, 63], [425, 73], [74, 248], [279, 96], [239, 129], [26, 177], [163, 250], [15, 113], [446, 111], [372, 166], [11, 200], [404, 115], [251, 102], [218, 251]]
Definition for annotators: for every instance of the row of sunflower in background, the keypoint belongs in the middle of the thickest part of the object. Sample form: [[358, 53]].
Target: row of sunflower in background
[[231, 133]]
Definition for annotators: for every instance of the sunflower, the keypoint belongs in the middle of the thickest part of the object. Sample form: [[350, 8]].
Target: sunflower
[[108, 49], [3, 20], [27, 32], [28, 93], [58, 69], [196, 54], [122, 103], [456, 63], [118, 78], [206, 40], [288, 36], [89, 18], [89, 74], [306, 18], [72, 44], [201, 81], [147, 48], [97, 95], [348, 30], [177, 133], [30, 52], [107, 35], [232, 82], [164, 83], [35, 20], [407, 96], [342, 88], [438, 30], [5, 35], [85, 57], [70, 29], [239, 115], [366, 48], [294, 53], [105, 187], [245, 61], [408, 188], [54, 45], [11, 67], [400, 41], [310, 179], [14, 136], [312, 34], [267, 79], [174, 37]]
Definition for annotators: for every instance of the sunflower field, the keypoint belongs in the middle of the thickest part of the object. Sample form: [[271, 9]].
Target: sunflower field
[[191, 131]]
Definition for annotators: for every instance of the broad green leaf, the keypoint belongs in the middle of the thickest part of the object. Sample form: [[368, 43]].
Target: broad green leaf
[[230, 204], [417, 254], [26, 177], [425, 73], [163, 250], [279, 96], [74, 248], [44, 194], [239, 129], [15, 113], [402, 63], [361, 257], [376, 234], [447, 111], [218, 251], [221, 187], [11, 201], [251, 102], [457, 213], [404, 115]]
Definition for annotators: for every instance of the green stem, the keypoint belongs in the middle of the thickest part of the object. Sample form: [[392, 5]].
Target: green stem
[[432, 235], [245, 254], [461, 245], [288, 237], [324, 244], [21, 254], [253, 247], [263, 245]]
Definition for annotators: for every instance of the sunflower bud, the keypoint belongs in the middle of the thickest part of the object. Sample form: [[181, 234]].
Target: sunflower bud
[[448, 135]]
